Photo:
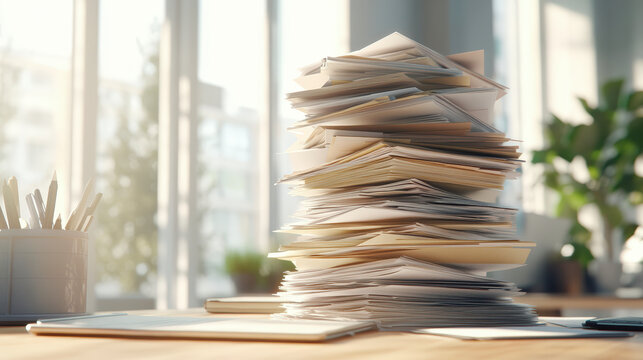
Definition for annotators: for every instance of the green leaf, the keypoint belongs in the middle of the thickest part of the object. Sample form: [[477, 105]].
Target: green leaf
[[635, 100], [566, 205], [607, 158], [578, 199], [612, 214], [580, 232], [551, 179], [590, 110], [635, 132], [579, 238], [581, 253], [636, 198], [626, 182], [611, 92], [244, 262], [539, 156], [584, 139], [628, 230]]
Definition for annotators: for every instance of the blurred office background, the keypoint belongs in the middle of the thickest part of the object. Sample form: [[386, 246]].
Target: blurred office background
[[177, 107]]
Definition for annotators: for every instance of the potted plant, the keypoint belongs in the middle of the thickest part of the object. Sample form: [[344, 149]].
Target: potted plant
[[253, 272], [605, 151], [244, 267]]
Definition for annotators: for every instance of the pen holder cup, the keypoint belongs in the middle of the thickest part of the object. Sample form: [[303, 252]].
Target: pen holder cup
[[43, 271]]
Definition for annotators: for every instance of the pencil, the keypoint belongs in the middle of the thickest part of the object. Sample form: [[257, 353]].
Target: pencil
[[68, 224], [51, 203], [90, 210], [78, 215], [10, 207], [33, 214], [40, 206], [59, 223], [88, 222], [13, 184], [3, 222]]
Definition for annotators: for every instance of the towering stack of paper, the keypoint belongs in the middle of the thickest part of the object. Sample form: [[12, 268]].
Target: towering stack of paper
[[401, 166]]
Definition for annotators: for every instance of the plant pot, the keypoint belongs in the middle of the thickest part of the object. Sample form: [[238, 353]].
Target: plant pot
[[568, 277], [606, 275], [245, 283]]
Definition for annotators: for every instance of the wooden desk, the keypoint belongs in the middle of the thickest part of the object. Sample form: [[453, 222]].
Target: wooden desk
[[555, 304], [15, 343]]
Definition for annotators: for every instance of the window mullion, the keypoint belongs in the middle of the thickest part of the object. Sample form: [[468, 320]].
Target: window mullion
[[178, 146], [84, 99]]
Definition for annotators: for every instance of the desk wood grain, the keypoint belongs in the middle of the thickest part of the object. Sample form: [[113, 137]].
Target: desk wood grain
[[16, 343]]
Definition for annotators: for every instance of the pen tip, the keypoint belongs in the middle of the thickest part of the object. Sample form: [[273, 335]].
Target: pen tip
[[54, 178]]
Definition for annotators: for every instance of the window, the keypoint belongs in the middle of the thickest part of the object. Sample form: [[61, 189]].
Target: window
[[126, 233], [231, 75], [34, 92]]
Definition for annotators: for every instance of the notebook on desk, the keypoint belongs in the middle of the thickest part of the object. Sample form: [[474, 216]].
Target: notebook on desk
[[245, 305], [137, 326]]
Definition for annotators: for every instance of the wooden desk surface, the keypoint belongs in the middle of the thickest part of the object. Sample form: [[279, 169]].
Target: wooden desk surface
[[16, 343], [559, 302]]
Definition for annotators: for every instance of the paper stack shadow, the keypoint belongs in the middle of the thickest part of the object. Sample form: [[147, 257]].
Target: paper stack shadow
[[401, 167]]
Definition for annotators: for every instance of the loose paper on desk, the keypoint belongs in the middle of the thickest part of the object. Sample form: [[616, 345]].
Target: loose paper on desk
[[522, 332]]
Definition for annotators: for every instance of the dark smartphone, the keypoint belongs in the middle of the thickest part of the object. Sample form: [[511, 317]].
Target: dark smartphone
[[615, 323]]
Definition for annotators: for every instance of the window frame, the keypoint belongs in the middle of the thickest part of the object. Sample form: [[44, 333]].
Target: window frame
[[178, 146]]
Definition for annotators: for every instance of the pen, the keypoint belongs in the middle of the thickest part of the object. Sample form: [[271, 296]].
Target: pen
[[10, 206], [51, 203]]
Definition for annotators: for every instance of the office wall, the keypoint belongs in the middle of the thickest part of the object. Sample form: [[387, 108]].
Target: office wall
[[424, 21], [618, 33], [445, 26], [471, 28], [464, 25]]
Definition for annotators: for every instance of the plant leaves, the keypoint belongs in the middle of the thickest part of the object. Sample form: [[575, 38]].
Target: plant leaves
[[539, 156], [628, 230], [635, 101], [635, 132], [611, 92], [612, 214], [584, 139], [580, 237], [582, 254], [602, 120]]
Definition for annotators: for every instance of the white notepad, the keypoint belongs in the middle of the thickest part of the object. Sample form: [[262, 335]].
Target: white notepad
[[124, 325]]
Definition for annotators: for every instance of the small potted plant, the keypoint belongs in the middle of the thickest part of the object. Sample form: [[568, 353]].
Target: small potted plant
[[605, 151], [245, 267], [254, 272]]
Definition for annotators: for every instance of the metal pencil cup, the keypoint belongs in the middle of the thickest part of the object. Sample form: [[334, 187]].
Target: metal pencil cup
[[42, 272]]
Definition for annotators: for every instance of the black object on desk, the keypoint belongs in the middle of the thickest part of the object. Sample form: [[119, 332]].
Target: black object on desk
[[615, 323]]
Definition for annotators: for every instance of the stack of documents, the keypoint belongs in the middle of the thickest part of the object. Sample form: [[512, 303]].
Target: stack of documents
[[401, 167]]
